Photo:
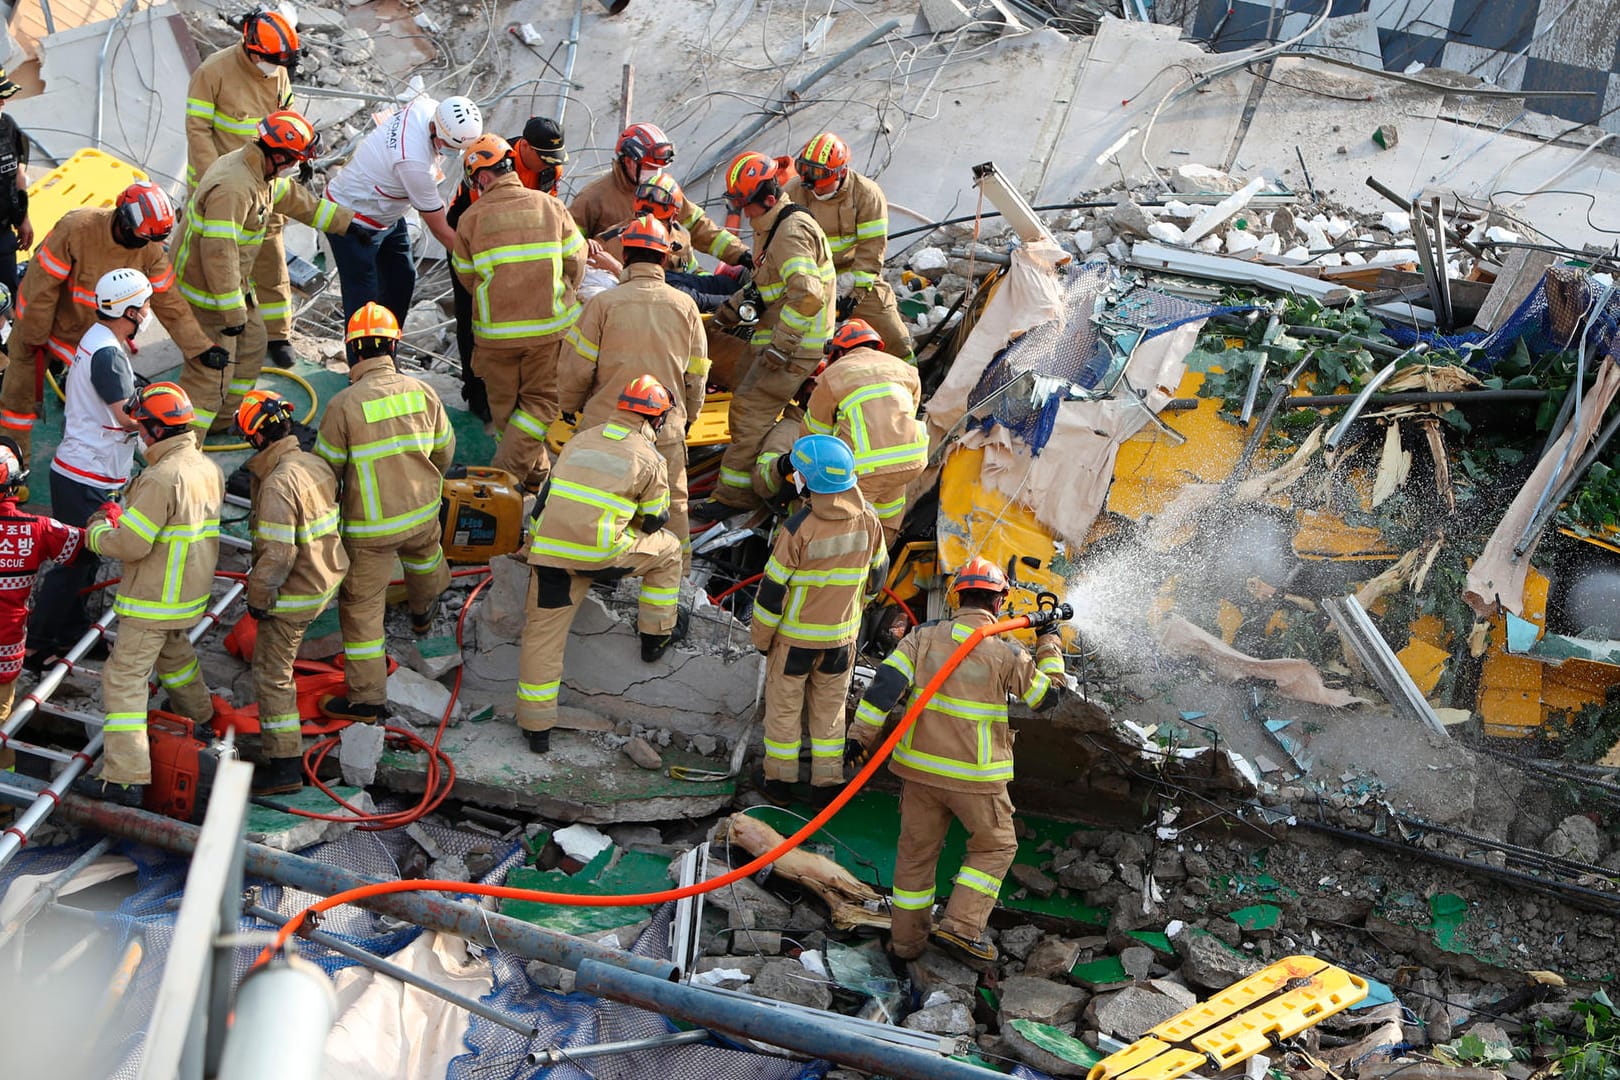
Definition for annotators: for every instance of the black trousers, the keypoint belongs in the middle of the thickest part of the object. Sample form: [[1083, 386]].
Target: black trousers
[[60, 615]]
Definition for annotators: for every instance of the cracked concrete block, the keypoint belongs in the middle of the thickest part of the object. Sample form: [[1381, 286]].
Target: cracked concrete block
[[420, 700], [949, 1018], [1041, 1000], [434, 657], [503, 609], [360, 747]]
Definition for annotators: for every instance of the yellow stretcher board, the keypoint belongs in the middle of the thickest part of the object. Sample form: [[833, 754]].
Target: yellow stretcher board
[[711, 428], [1276, 1003], [88, 178]]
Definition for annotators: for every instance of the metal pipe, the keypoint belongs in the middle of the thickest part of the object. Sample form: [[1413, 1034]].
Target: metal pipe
[[782, 107], [1420, 397], [1550, 505], [284, 1013], [431, 911], [1241, 469], [568, 61], [557, 1055], [101, 70], [405, 975], [828, 1036], [1377, 348], [52, 889], [1361, 399]]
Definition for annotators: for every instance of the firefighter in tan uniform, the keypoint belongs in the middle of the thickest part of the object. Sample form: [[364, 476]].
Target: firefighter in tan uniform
[[957, 760], [827, 562], [773, 470], [388, 439], [230, 92], [641, 152], [869, 399], [56, 302], [643, 327], [517, 251], [852, 210], [298, 564], [167, 534], [225, 225], [602, 517], [794, 278]]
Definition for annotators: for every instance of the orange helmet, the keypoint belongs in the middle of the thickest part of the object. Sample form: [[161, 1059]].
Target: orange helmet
[[823, 164], [980, 573], [660, 196], [751, 179], [287, 132], [487, 152], [645, 145], [646, 396], [269, 36], [372, 322], [854, 334], [261, 407], [144, 210], [162, 403], [647, 233]]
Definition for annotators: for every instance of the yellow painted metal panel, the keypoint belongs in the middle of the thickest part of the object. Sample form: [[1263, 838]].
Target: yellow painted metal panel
[[1425, 663], [1149, 472]]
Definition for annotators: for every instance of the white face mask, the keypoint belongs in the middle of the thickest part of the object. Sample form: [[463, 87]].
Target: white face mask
[[267, 67], [145, 321], [647, 172], [798, 483], [833, 194]]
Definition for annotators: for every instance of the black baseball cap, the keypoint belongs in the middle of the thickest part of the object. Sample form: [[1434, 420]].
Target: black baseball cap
[[545, 136]]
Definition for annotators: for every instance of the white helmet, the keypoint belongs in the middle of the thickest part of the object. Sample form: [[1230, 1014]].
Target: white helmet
[[121, 289], [458, 122]]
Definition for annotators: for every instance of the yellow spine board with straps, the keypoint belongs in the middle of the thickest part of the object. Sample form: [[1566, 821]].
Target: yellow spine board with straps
[[1252, 1015]]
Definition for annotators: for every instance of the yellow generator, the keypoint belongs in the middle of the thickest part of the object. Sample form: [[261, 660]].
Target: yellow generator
[[481, 513]]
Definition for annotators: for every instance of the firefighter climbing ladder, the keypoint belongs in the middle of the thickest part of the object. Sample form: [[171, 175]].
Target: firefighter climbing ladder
[[1246, 1018], [73, 765]]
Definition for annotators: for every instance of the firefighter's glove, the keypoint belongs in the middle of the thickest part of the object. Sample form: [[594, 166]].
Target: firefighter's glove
[[746, 261], [259, 614], [847, 306], [215, 358], [784, 466], [231, 331], [306, 172], [651, 523], [854, 753], [112, 512]]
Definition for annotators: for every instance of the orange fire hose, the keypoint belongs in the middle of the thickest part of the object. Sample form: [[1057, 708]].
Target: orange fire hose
[[809, 829]]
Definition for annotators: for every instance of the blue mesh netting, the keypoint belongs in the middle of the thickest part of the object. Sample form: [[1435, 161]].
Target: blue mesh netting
[[1553, 318], [1104, 317]]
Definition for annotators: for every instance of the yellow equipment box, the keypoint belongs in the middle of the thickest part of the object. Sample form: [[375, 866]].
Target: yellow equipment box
[[88, 178], [482, 514]]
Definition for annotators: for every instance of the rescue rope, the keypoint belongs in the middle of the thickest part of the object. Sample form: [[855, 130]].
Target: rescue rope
[[229, 448], [505, 892]]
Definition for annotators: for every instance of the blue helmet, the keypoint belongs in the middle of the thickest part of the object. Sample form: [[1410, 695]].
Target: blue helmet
[[825, 463]]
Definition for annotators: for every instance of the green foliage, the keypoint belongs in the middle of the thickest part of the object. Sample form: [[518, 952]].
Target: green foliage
[[1594, 1054], [1473, 1050]]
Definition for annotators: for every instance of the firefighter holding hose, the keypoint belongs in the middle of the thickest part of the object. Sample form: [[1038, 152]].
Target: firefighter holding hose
[[957, 760]]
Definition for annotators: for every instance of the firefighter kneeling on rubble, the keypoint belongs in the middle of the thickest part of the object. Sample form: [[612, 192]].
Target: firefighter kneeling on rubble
[[298, 564], [957, 760], [388, 439], [828, 561], [167, 534], [607, 479]]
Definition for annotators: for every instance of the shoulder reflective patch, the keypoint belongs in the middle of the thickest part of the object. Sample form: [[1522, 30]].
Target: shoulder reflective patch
[[394, 406], [602, 461], [830, 547]]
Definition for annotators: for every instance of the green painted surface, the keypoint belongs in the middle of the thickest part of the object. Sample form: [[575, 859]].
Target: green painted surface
[[1157, 940], [1257, 916], [1448, 912], [261, 820], [612, 873], [1105, 971], [869, 828], [1056, 1043]]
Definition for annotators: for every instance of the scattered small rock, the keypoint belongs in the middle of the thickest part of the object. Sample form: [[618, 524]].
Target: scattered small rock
[[641, 752], [949, 1018]]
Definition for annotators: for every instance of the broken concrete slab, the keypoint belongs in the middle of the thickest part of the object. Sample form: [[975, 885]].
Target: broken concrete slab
[[1209, 962], [290, 832], [949, 1018], [1053, 1052], [433, 657], [1130, 1013], [1053, 956], [1019, 941], [420, 700], [783, 979], [1041, 1000], [584, 777], [360, 747], [933, 970]]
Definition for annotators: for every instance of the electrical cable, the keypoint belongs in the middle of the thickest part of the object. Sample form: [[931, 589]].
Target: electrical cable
[[924, 694]]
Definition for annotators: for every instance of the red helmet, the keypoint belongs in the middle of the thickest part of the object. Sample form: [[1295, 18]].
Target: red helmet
[[647, 397], [823, 164], [647, 233], [162, 403], [269, 36], [980, 573], [645, 145], [287, 132], [751, 179], [854, 334], [144, 210], [660, 196]]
